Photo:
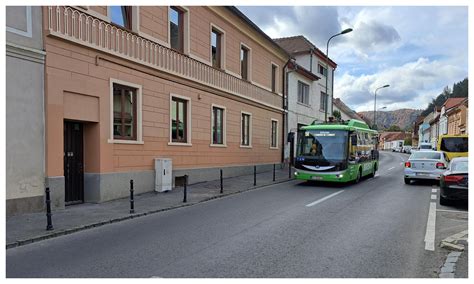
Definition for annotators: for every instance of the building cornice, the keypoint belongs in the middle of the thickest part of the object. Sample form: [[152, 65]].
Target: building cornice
[[25, 53]]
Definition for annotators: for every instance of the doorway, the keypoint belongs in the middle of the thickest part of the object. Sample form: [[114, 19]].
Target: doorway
[[73, 162]]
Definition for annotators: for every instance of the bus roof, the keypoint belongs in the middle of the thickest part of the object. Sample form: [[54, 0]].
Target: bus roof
[[350, 125]]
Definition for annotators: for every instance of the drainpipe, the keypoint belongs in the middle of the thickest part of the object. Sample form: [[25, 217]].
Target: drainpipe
[[285, 125], [311, 60]]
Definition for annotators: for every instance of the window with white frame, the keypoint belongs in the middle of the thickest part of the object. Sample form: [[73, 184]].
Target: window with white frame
[[322, 70], [244, 62], [274, 134], [218, 125], [246, 128], [303, 93], [216, 48], [274, 77], [176, 32], [179, 120], [122, 16], [323, 101], [126, 112]]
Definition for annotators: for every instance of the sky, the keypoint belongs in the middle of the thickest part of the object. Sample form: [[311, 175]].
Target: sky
[[416, 50]]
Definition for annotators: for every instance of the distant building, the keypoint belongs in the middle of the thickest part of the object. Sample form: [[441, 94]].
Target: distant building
[[346, 112]]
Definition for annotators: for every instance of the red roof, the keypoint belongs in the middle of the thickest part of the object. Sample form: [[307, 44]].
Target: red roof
[[452, 102]]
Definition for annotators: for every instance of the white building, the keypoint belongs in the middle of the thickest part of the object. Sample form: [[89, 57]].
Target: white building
[[306, 78]]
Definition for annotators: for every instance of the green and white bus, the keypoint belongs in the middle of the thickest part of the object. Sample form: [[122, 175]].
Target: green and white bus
[[336, 152]]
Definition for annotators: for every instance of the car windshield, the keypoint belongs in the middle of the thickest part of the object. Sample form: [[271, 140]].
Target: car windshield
[[459, 166], [425, 155], [323, 144], [454, 144], [425, 146]]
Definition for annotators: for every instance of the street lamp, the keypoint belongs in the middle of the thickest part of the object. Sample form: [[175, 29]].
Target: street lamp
[[327, 71], [375, 103]]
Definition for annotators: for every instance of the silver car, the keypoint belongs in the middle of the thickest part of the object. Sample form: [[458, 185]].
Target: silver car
[[425, 165]]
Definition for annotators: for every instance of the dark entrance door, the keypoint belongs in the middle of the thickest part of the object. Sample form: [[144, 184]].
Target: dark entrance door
[[73, 162]]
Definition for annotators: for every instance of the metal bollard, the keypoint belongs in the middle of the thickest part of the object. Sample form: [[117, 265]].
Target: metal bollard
[[185, 188], [49, 226], [273, 172], [222, 185], [254, 175], [289, 170], [132, 210]]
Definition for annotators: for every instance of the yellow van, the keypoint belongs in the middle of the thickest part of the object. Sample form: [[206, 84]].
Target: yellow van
[[453, 145]]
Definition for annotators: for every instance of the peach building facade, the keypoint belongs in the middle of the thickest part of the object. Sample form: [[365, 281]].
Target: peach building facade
[[202, 86]]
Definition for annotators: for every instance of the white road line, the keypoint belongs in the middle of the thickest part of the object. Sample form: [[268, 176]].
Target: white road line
[[403, 160], [324, 198], [391, 168], [434, 190], [430, 228], [433, 196], [452, 211]]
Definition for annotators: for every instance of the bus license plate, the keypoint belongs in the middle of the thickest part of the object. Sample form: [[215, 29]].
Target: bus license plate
[[316, 178]]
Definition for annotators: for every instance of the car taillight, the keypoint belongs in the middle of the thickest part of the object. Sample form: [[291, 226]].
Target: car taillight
[[407, 165], [440, 166], [453, 178]]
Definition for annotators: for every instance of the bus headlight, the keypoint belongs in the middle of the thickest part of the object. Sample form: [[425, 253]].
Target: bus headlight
[[296, 173], [340, 176]]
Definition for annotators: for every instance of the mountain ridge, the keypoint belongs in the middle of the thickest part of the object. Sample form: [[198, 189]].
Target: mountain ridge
[[403, 118]]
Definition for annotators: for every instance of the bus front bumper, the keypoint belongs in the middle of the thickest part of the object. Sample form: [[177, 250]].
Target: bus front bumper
[[340, 176]]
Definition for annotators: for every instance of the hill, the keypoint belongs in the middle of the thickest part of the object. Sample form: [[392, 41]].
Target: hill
[[403, 118]]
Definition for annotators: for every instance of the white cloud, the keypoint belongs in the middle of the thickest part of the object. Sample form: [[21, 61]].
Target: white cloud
[[412, 85]]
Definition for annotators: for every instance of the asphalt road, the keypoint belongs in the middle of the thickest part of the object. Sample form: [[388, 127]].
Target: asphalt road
[[372, 229]]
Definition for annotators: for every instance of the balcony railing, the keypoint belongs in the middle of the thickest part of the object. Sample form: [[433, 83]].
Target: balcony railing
[[73, 25]]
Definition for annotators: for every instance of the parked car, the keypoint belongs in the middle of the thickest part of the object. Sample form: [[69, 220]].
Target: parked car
[[454, 182], [453, 145], [427, 164], [406, 149]]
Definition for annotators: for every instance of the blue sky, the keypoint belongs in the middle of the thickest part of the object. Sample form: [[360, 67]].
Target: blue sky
[[417, 50]]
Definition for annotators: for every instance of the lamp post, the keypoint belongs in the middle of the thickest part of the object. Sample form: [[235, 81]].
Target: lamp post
[[327, 71], [375, 103]]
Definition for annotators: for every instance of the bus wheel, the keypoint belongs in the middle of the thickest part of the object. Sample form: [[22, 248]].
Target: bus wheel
[[358, 176]]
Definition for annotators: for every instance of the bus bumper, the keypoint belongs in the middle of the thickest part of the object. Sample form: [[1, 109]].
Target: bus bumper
[[342, 176]]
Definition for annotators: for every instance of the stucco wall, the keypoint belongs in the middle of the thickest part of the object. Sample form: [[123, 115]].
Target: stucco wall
[[24, 110]]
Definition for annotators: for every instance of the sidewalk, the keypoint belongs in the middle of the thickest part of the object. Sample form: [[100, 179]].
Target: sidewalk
[[28, 228]]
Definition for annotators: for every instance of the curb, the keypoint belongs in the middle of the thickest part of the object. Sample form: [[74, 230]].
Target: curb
[[119, 219], [448, 270]]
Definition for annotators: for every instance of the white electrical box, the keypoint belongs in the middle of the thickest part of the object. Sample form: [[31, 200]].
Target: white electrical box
[[163, 175]]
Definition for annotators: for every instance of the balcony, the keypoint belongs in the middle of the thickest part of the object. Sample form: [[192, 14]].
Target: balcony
[[73, 25]]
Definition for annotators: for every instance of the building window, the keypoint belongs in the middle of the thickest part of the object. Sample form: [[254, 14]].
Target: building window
[[323, 101], [246, 128], [218, 120], [322, 70], [216, 48], [274, 142], [122, 16], [179, 120], [274, 77], [244, 62], [303, 93], [176, 31], [125, 112]]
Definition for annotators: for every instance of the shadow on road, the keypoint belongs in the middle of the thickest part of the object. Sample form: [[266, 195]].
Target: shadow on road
[[330, 184]]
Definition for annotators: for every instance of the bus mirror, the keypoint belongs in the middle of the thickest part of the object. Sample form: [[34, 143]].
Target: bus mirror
[[353, 140], [291, 137]]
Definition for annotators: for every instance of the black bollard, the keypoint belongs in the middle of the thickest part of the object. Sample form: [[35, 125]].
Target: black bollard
[[49, 226], [132, 210], [185, 188], [222, 185], [273, 172], [254, 175]]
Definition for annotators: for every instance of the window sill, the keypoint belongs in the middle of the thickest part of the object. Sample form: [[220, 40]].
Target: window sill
[[274, 148], [118, 141], [218, 145], [303, 104], [179, 144], [245, 146]]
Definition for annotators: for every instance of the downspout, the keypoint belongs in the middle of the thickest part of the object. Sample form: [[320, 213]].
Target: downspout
[[311, 60], [285, 110]]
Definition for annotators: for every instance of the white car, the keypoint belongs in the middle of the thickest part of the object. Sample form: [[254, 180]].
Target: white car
[[426, 164]]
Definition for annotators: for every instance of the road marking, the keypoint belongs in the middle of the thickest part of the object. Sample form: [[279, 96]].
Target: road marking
[[434, 190], [403, 160], [391, 168], [430, 228], [452, 211], [324, 198], [433, 196]]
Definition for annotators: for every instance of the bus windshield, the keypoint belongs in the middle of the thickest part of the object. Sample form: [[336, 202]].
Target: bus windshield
[[323, 144]]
